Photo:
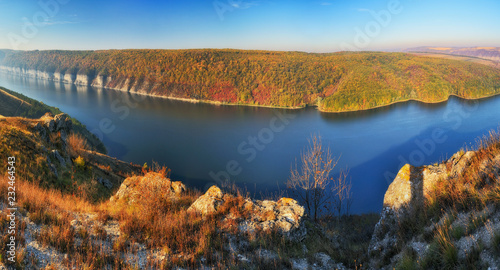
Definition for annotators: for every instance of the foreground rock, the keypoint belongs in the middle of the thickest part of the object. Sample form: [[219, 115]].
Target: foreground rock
[[135, 188], [404, 204], [284, 215]]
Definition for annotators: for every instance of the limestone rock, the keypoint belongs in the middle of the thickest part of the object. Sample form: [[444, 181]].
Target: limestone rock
[[284, 216], [60, 122], [134, 188], [406, 187], [209, 202], [50, 124], [405, 198], [460, 162]]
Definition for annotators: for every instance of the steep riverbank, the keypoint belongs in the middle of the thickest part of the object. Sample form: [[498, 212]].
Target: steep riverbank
[[120, 84], [334, 82], [123, 85]]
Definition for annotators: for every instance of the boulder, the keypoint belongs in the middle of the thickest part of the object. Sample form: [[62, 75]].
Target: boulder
[[285, 215], [136, 188], [209, 202], [105, 182]]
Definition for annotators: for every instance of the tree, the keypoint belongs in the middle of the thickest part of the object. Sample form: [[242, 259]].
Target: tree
[[311, 180], [341, 194]]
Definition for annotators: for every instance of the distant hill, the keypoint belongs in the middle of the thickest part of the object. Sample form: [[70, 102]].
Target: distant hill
[[490, 53], [335, 82]]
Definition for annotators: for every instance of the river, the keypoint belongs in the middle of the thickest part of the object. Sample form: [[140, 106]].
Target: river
[[256, 147]]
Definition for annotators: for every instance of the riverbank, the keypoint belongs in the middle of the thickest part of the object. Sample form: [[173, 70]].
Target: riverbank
[[412, 100], [34, 74], [340, 82]]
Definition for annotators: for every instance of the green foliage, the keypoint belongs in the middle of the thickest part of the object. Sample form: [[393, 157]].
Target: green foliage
[[342, 81], [408, 261], [458, 232], [496, 241]]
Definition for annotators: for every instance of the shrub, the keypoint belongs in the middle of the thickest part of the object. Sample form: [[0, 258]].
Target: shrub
[[76, 145], [80, 162]]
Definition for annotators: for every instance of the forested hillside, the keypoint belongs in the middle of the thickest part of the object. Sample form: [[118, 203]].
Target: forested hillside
[[336, 81]]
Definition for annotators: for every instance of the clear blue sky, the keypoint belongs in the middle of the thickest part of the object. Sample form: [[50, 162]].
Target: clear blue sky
[[313, 26]]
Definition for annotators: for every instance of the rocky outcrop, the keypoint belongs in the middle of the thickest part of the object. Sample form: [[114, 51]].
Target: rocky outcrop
[[284, 215], [55, 154], [405, 199], [99, 80], [135, 188], [60, 122]]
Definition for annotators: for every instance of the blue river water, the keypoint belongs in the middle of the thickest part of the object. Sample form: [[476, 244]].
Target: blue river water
[[255, 147]]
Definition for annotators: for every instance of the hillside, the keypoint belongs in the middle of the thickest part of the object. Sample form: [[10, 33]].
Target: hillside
[[443, 216], [11, 105], [335, 82], [77, 209], [15, 104], [489, 53]]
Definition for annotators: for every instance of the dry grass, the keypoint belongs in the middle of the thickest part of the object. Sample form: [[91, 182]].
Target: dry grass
[[77, 145], [477, 187], [472, 192]]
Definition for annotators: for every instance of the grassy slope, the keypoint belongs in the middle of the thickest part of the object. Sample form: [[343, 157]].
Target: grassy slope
[[457, 209], [158, 223], [335, 81], [11, 105], [15, 104]]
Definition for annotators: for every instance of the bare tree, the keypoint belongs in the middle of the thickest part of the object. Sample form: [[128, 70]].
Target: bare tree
[[313, 185], [342, 194], [311, 180]]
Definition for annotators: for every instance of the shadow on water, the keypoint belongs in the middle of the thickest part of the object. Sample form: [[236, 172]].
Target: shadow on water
[[370, 180]]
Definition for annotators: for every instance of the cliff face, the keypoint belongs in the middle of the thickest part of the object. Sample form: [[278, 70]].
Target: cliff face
[[121, 84]]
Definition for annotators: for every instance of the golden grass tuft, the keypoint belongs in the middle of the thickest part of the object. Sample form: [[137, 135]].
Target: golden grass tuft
[[77, 145]]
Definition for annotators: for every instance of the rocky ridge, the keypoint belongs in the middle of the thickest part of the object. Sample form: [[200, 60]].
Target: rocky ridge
[[284, 215], [405, 200]]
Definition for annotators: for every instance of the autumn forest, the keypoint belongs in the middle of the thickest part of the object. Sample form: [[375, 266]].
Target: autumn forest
[[334, 82]]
